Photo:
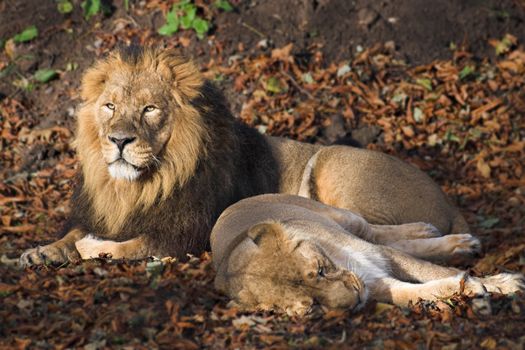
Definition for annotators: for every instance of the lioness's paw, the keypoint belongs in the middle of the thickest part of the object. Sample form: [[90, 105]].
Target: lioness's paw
[[419, 230], [48, 254], [471, 285], [504, 283], [298, 308], [464, 244], [448, 286]]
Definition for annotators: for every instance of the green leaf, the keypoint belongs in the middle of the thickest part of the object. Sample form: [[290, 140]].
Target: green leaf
[[399, 98], [223, 5], [91, 8], [201, 26], [489, 222], [449, 136], [64, 6], [168, 29], [45, 75], [172, 18], [465, 72], [188, 8], [191, 12], [273, 85], [307, 78], [181, 4], [172, 23], [503, 46], [426, 83], [71, 66], [186, 22], [26, 35]]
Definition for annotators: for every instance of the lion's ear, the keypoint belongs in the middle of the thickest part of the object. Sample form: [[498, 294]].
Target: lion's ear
[[266, 234], [185, 76], [93, 81]]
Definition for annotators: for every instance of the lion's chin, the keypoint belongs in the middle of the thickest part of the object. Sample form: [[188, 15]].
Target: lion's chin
[[122, 170]]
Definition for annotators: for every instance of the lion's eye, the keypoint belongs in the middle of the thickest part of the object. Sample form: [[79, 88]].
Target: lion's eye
[[110, 106], [148, 109]]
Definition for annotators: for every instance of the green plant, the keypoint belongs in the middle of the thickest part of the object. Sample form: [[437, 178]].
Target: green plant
[[223, 5], [92, 7], [45, 75], [64, 6], [27, 34], [184, 15]]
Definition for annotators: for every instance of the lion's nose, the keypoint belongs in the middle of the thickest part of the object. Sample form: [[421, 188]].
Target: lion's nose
[[121, 140]]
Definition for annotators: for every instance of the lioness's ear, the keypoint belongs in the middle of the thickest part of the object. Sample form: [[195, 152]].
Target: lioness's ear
[[266, 234]]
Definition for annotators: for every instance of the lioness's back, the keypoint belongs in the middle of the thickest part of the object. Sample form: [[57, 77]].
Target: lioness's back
[[382, 188]]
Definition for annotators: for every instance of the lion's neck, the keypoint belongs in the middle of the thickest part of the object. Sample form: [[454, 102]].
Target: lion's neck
[[115, 201]]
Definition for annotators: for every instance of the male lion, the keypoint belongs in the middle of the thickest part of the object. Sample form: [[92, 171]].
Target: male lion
[[161, 157], [282, 252]]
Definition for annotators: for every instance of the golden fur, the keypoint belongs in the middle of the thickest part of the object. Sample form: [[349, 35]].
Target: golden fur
[[162, 156], [284, 253]]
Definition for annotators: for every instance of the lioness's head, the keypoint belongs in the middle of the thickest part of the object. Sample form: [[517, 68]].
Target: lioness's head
[[272, 270], [139, 133]]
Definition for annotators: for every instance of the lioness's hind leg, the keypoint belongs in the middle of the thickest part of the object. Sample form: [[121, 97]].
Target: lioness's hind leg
[[384, 234], [449, 248]]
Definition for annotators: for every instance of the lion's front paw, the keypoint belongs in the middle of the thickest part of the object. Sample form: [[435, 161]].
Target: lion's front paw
[[48, 254], [504, 283]]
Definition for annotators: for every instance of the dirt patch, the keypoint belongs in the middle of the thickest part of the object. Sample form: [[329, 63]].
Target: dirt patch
[[422, 30], [337, 28]]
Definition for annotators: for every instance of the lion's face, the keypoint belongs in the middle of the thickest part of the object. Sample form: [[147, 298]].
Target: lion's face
[[135, 116], [279, 272], [139, 116]]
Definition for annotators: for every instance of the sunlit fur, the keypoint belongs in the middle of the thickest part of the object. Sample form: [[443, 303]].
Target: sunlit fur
[[113, 199], [121, 170], [278, 252], [189, 158]]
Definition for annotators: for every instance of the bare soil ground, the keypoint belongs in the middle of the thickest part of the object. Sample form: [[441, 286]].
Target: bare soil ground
[[440, 84]]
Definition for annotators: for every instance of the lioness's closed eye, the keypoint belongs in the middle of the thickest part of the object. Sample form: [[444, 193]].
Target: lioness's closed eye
[[280, 252]]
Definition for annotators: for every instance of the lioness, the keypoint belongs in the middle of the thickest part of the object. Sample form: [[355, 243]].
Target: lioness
[[282, 252], [162, 156]]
